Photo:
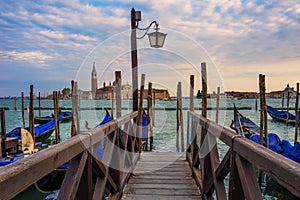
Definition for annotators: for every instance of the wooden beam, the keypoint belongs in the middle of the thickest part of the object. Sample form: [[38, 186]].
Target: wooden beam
[[248, 179], [86, 184], [72, 178]]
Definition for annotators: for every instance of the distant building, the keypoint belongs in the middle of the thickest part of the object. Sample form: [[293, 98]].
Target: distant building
[[161, 94], [126, 91], [94, 84], [106, 92]]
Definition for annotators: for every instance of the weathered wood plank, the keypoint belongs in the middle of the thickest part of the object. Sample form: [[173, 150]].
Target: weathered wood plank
[[163, 180], [162, 186], [72, 178], [154, 196], [170, 192]]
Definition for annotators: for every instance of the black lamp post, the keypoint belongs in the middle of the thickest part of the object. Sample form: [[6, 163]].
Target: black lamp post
[[156, 40]]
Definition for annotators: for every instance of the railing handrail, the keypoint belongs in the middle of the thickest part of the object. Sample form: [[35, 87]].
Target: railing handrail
[[283, 170], [16, 177]]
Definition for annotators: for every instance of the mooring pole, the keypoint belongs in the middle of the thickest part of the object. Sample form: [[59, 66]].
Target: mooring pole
[[177, 119], [140, 114], [217, 105], [39, 103], [150, 115], [192, 108], [74, 106], [296, 115], [287, 107], [31, 115], [23, 114]]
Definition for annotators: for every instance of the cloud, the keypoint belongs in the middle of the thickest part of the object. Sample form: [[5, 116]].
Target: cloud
[[32, 56]]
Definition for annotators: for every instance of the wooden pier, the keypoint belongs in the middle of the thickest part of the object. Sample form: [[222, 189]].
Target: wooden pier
[[162, 176]]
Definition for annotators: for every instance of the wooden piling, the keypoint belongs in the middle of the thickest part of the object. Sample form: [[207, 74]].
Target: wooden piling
[[296, 115], [112, 104], [73, 126], [31, 115], [263, 118], [39, 104], [287, 107], [192, 108], [140, 114], [23, 113], [149, 119], [55, 103], [118, 94], [217, 104], [256, 106], [204, 92], [3, 130], [261, 108], [153, 109], [15, 103], [177, 121], [282, 100], [180, 128]]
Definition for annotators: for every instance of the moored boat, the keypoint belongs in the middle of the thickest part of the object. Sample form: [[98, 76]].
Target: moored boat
[[65, 115], [282, 115]]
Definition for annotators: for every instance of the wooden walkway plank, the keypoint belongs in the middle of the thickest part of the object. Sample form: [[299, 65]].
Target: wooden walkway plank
[[161, 176]]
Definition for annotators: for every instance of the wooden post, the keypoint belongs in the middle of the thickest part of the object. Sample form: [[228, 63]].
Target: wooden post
[[204, 92], [218, 105], [55, 103], [261, 109], [23, 114], [134, 62], [265, 113], [282, 100], [263, 118], [153, 108], [150, 115], [140, 114], [256, 103], [74, 106], [39, 103], [118, 94], [3, 129], [177, 118], [192, 108], [31, 115], [296, 115], [181, 118], [15, 104], [287, 107], [112, 104]]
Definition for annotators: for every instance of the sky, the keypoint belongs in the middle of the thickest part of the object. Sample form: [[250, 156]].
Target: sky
[[49, 43]]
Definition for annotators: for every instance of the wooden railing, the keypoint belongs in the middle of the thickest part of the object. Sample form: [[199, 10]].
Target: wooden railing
[[121, 151], [239, 162]]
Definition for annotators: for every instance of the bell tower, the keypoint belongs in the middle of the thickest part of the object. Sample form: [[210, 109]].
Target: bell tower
[[94, 81]]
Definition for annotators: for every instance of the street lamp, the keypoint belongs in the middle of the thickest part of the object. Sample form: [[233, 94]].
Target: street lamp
[[156, 40]]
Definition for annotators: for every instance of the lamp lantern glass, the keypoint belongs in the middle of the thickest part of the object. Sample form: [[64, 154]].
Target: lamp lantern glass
[[157, 39]]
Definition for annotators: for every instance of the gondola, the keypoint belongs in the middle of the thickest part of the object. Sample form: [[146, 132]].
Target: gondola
[[282, 116], [42, 132], [248, 128], [66, 117]]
